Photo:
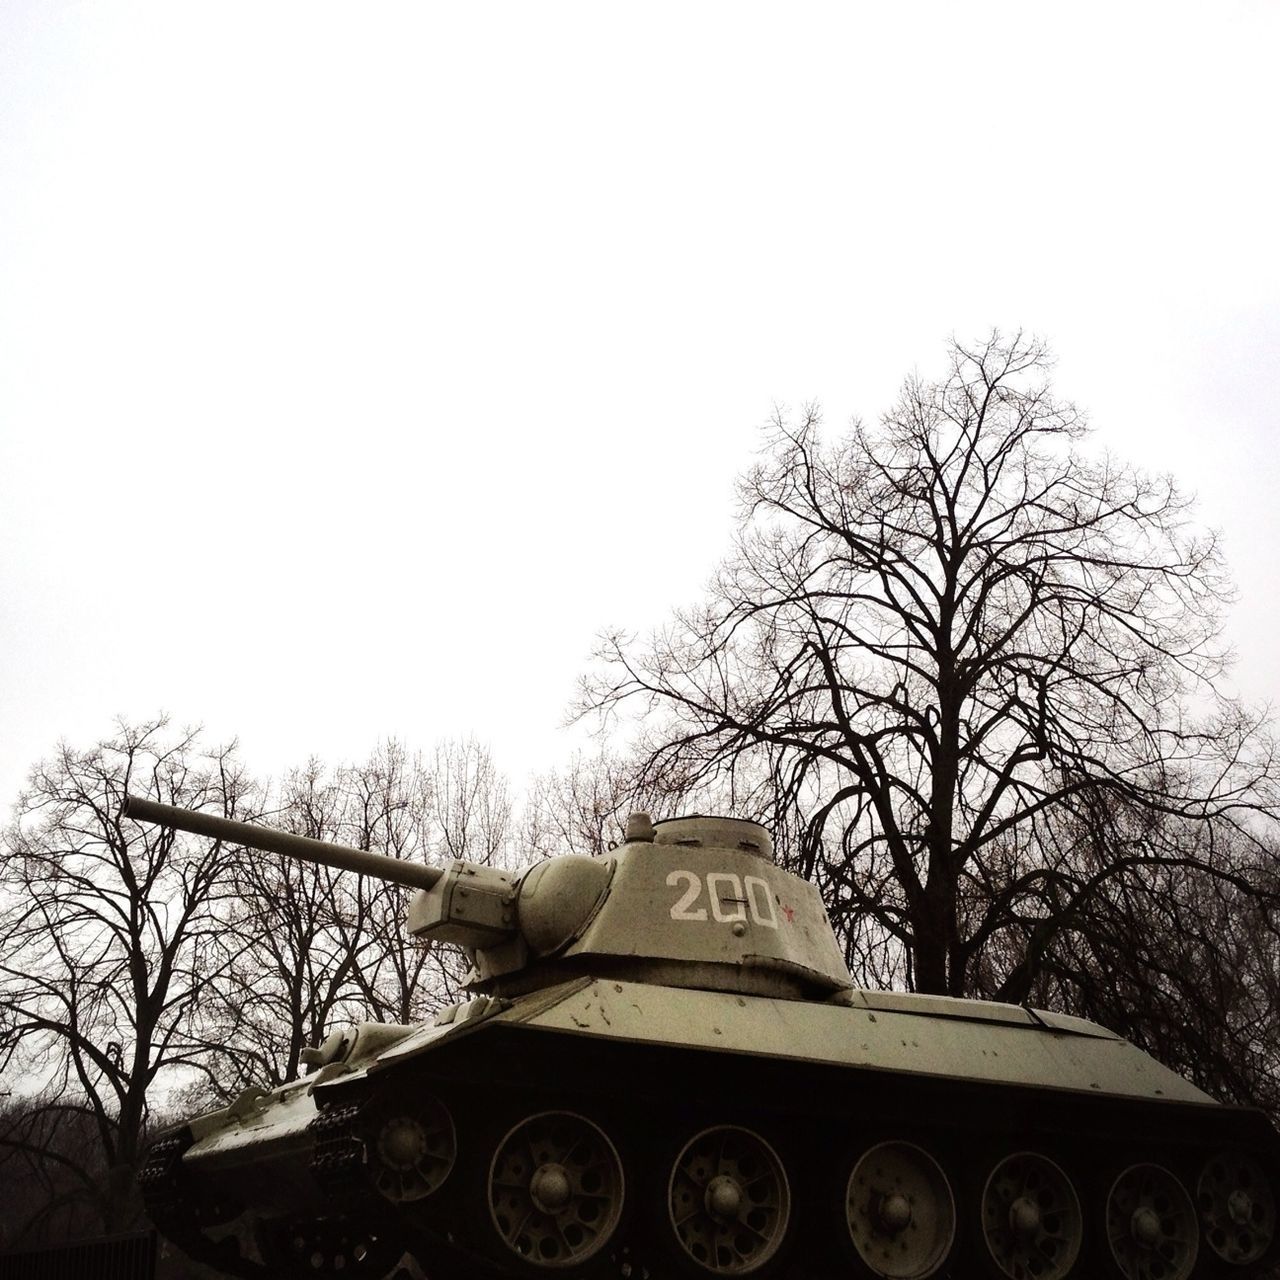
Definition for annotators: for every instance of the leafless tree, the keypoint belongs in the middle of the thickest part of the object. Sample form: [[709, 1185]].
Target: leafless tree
[[470, 818], [389, 801], [111, 944], [583, 808], [948, 652], [471, 813], [292, 968], [141, 967], [314, 947]]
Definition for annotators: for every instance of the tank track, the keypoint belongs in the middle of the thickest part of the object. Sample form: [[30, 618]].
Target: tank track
[[339, 1163], [341, 1167], [968, 1149], [447, 1233], [353, 1236], [181, 1216], [159, 1179]]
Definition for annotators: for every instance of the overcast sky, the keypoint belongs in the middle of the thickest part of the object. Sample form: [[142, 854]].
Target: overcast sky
[[359, 362]]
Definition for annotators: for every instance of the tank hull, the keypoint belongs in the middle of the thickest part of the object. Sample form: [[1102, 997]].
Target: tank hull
[[952, 1088], [670, 1073]]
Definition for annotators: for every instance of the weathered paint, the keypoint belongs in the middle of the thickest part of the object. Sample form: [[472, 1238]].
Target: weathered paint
[[698, 905], [1011, 1047]]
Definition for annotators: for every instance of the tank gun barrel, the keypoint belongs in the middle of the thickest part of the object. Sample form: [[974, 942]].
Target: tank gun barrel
[[415, 875]]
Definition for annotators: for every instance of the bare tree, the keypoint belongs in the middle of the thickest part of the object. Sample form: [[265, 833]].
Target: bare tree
[[314, 947], [1183, 963], [389, 804], [583, 808], [471, 813], [939, 651], [292, 968], [470, 818], [111, 944], [142, 967]]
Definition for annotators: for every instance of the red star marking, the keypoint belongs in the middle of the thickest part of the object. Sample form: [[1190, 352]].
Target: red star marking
[[789, 912]]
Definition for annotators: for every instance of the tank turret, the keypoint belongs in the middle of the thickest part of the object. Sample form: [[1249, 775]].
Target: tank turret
[[665, 1069], [635, 913]]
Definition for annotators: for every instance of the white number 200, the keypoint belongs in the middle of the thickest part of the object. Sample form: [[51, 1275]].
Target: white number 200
[[728, 908]]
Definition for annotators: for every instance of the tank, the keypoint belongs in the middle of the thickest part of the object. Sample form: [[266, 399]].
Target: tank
[[665, 1070]]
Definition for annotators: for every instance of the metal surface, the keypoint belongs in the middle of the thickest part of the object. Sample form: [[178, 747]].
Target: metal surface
[[717, 916], [900, 1211], [1237, 1208], [1031, 1220], [120, 1257], [664, 1069], [928, 1044], [344, 857], [328, 1246], [728, 1202], [555, 1190], [413, 1148], [696, 829], [1151, 1225]]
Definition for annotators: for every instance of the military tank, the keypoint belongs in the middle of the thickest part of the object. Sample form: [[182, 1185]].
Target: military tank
[[665, 1070]]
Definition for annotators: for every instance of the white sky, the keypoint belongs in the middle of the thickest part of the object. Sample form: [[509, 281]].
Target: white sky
[[359, 362]]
